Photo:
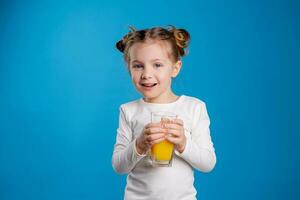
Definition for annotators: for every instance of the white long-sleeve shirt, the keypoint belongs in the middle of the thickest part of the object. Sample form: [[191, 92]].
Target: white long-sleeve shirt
[[158, 183]]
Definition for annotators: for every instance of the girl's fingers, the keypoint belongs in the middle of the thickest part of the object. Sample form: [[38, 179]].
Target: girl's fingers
[[174, 133], [154, 130], [172, 126], [151, 138], [174, 140], [178, 122], [158, 140]]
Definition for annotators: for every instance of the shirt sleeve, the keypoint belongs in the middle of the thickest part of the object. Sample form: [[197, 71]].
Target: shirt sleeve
[[125, 156], [199, 151]]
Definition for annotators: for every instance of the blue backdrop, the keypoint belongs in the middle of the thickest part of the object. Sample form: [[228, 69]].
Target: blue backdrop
[[62, 81]]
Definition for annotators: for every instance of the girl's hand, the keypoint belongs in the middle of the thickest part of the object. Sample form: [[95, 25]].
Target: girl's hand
[[152, 133], [175, 130]]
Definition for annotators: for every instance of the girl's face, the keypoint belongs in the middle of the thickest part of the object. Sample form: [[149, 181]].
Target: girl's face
[[151, 69]]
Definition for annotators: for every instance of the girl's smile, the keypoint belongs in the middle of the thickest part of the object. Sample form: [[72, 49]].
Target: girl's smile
[[148, 86]]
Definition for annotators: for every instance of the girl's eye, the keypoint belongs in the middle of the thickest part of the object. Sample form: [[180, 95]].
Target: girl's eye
[[135, 66], [158, 65]]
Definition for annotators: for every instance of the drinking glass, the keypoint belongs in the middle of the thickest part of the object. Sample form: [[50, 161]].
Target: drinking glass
[[162, 153]]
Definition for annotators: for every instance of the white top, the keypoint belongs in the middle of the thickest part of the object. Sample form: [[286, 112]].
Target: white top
[[158, 183]]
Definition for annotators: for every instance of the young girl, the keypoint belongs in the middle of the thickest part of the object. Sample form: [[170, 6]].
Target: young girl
[[153, 58]]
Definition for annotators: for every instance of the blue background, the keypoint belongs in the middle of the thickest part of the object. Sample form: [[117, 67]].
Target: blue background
[[62, 81]]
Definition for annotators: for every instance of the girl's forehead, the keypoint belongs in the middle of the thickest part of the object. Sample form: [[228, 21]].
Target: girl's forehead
[[150, 49]]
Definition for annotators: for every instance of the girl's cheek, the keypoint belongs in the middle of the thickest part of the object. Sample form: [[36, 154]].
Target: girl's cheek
[[135, 78]]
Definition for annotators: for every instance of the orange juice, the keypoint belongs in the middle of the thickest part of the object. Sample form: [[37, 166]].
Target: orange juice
[[162, 151]]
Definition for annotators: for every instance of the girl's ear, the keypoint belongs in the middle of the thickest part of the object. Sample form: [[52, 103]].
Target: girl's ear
[[176, 68]]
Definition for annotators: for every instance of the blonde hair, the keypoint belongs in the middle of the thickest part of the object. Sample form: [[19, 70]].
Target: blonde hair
[[177, 38]]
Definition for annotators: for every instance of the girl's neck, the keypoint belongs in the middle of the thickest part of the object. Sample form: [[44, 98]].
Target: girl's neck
[[167, 98]]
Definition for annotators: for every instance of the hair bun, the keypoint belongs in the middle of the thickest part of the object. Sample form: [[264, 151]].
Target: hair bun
[[120, 46], [182, 37]]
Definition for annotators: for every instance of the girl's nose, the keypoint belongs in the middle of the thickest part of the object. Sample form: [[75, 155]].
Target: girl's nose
[[146, 74]]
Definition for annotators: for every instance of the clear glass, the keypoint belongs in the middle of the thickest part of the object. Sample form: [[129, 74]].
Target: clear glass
[[162, 153]]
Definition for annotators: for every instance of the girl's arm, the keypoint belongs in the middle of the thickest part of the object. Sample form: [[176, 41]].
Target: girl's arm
[[125, 156], [199, 151]]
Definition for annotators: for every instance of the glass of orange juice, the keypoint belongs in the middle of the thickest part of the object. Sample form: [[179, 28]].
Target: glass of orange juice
[[162, 153]]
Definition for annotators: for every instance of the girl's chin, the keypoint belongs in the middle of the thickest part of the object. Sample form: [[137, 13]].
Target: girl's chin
[[149, 96], [148, 93]]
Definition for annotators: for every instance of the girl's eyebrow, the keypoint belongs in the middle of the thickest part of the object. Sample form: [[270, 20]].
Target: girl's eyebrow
[[136, 61], [157, 59]]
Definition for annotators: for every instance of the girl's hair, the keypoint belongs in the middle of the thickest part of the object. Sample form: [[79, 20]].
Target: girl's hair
[[177, 38]]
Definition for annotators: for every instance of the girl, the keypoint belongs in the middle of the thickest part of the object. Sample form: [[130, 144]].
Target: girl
[[153, 58]]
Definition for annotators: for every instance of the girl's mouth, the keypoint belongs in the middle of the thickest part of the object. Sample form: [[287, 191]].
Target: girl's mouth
[[148, 85]]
